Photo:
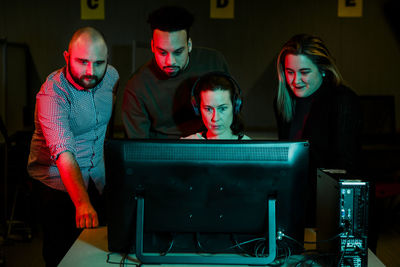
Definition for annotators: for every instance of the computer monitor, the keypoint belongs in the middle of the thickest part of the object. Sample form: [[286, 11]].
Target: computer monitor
[[205, 194]]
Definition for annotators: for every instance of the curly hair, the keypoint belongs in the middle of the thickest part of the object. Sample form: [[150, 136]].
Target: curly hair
[[170, 19]]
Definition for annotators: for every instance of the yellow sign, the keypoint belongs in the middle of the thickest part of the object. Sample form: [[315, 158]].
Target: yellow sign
[[350, 8], [92, 9], [222, 9]]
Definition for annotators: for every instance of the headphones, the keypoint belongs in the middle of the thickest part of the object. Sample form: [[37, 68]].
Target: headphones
[[237, 96]]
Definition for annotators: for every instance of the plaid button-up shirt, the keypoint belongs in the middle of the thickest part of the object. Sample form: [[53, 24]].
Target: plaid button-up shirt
[[67, 119]]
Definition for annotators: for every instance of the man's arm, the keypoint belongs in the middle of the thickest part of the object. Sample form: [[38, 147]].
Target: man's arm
[[134, 115], [110, 126], [114, 92], [71, 176]]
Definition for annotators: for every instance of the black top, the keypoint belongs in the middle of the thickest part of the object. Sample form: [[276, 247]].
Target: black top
[[331, 120], [204, 134], [301, 113]]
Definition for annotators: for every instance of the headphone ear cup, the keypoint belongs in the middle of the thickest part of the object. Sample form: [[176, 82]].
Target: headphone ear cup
[[238, 104], [195, 107], [193, 97], [237, 101]]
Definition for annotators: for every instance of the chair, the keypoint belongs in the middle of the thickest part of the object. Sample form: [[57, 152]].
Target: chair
[[379, 159], [15, 229], [380, 142]]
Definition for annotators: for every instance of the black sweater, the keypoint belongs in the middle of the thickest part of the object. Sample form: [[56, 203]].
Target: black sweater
[[333, 128]]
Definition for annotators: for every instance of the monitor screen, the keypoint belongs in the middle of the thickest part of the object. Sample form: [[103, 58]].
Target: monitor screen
[[201, 194]]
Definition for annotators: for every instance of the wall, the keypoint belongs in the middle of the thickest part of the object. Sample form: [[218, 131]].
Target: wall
[[366, 49]]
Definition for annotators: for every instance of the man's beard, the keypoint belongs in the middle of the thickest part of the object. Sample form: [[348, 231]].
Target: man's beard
[[81, 80], [177, 70]]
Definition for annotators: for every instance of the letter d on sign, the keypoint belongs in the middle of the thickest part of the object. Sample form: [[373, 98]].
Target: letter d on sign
[[222, 9], [222, 3]]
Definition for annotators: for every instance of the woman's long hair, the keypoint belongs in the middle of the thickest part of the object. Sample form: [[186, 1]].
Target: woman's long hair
[[314, 49]]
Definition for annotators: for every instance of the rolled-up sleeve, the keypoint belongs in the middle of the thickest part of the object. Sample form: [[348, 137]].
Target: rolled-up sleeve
[[53, 117]]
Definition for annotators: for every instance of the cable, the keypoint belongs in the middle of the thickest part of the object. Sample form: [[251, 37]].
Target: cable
[[171, 244], [325, 240], [282, 234], [246, 242], [283, 251], [260, 245], [238, 245], [306, 259], [122, 261], [199, 245]]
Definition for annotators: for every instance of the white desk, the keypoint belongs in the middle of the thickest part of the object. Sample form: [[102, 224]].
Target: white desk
[[91, 249]]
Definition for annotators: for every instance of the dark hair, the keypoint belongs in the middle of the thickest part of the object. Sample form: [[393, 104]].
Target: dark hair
[[214, 82], [315, 50], [170, 19]]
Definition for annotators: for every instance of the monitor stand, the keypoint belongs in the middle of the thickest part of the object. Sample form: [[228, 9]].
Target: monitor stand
[[186, 258]]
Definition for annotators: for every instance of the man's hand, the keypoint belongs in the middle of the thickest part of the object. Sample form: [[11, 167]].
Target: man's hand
[[86, 216]]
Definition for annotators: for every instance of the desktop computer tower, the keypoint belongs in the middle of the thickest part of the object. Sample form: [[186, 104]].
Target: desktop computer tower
[[342, 217]]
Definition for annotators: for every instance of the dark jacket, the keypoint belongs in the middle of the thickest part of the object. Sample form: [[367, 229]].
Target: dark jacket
[[333, 128]]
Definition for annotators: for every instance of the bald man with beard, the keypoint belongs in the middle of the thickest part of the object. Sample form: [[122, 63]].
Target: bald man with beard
[[73, 108]]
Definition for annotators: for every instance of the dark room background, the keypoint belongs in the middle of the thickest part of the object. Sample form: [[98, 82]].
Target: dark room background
[[366, 48]]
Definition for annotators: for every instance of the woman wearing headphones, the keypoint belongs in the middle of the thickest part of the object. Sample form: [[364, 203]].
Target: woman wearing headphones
[[216, 97]]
